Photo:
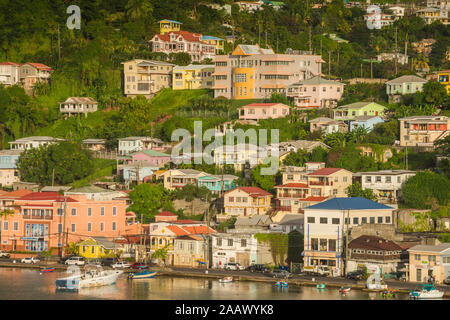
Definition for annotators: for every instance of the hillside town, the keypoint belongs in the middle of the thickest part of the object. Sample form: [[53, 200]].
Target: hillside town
[[361, 156]]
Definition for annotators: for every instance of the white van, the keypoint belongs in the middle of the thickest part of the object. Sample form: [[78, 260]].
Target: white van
[[79, 261]]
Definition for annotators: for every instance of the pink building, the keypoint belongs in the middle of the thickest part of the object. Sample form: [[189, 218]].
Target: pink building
[[41, 219], [258, 111], [183, 41], [315, 93]]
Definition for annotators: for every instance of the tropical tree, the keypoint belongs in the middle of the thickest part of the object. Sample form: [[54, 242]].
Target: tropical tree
[[161, 254], [355, 190], [147, 199], [4, 214]]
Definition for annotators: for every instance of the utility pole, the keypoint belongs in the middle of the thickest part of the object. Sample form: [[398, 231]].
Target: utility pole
[[329, 65], [310, 43], [371, 69], [140, 241], [53, 176], [64, 227], [59, 44], [396, 52], [361, 71]]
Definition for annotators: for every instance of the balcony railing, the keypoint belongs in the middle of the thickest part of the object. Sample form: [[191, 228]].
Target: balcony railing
[[321, 183], [27, 216], [283, 208]]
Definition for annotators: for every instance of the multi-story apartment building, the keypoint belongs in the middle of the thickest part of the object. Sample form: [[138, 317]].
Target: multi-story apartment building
[[386, 184], [33, 142], [245, 201], [258, 111], [39, 218], [239, 155], [178, 178], [31, 73], [350, 111], [134, 144], [428, 260], [193, 76], [443, 78], [251, 72], [397, 87], [78, 105], [389, 56], [183, 41], [300, 174], [218, 42], [315, 93], [329, 182], [166, 26], [433, 14], [9, 73], [423, 131], [8, 167], [327, 223], [146, 77]]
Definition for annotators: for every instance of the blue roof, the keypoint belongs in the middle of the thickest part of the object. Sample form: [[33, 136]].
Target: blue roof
[[211, 38], [355, 203], [173, 21]]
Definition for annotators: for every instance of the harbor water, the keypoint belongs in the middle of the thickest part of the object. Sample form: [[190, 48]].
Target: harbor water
[[30, 284]]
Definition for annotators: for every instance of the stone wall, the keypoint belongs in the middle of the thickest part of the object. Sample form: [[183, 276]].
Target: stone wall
[[195, 207]]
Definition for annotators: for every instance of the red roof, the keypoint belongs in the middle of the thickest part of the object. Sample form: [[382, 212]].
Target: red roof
[[293, 185], [42, 196], [252, 191], [177, 230], [7, 63], [188, 36], [374, 243], [186, 222], [315, 199], [198, 229], [15, 194], [166, 214], [260, 105], [40, 66], [324, 171]]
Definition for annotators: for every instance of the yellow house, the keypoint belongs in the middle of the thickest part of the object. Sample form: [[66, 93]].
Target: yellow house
[[166, 26], [96, 247], [218, 42], [443, 77], [193, 77]]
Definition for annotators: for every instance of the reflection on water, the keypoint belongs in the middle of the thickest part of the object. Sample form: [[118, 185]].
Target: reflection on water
[[16, 283]]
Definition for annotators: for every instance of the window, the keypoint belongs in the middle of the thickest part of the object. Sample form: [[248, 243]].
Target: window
[[387, 219], [84, 249], [73, 227], [240, 77], [231, 199], [102, 211], [230, 242], [16, 226], [364, 220], [335, 221], [388, 179], [323, 244], [114, 226], [314, 244], [323, 220], [89, 226], [344, 179], [368, 179], [73, 212], [243, 243], [311, 220], [417, 257], [92, 249], [219, 242], [5, 225], [114, 211], [347, 220], [372, 220], [59, 212], [102, 226], [355, 220], [331, 245], [378, 179], [89, 212], [380, 220], [431, 258], [59, 228]]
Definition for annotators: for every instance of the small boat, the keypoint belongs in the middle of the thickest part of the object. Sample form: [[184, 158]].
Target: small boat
[[321, 286], [426, 291], [344, 289], [88, 279], [142, 275], [226, 279], [282, 284], [47, 270], [388, 294]]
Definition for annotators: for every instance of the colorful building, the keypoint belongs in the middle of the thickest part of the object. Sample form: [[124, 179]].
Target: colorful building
[[365, 122], [97, 247], [218, 183], [423, 131], [166, 26], [218, 42], [258, 111], [397, 87], [429, 260], [8, 167], [245, 201], [251, 72], [193, 76], [350, 111], [443, 78]]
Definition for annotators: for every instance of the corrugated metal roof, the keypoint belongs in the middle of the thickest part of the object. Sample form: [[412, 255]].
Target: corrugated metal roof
[[354, 203]]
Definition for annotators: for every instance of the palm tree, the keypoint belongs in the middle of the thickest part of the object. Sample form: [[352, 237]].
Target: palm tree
[[4, 214], [138, 9]]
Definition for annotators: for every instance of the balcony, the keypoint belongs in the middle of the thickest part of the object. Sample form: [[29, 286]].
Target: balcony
[[27, 216], [292, 195], [320, 183], [283, 208]]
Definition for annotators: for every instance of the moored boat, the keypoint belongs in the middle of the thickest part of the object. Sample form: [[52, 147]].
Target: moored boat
[[226, 279], [47, 270], [142, 275], [321, 286], [88, 279], [426, 291], [283, 284], [344, 289]]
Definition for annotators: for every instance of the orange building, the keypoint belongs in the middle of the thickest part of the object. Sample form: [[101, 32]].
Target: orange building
[[41, 219]]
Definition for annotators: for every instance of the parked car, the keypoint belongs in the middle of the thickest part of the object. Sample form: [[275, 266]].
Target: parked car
[[447, 280], [139, 265], [107, 262], [316, 270], [355, 275], [64, 259], [4, 254], [121, 265], [79, 261], [278, 273], [30, 260], [233, 266], [258, 268]]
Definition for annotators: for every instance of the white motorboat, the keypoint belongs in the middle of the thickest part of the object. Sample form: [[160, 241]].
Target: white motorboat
[[426, 291], [88, 279], [226, 279]]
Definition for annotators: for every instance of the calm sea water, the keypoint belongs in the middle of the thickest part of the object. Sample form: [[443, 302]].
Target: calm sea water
[[16, 283]]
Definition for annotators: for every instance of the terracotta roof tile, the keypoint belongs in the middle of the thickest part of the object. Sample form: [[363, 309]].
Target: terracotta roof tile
[[177, 230], [252, 191], [166, 214], [324, 171], [374, 243], [42, 196]]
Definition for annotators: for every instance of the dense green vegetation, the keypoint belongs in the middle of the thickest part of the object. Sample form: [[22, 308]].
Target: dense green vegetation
[[426, 190]]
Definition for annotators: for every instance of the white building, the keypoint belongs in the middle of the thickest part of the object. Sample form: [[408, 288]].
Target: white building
[[239, 155], [9, 73], [386, 184], [78, 105], [33, 142], [133, 144], [327, 223]]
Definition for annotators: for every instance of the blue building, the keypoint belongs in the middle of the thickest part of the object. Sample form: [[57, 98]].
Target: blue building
[[140, 169], [214, 182], [367, 122], [8, 167]]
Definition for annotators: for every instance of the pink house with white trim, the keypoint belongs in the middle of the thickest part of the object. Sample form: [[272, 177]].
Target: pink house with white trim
[[258, 111]]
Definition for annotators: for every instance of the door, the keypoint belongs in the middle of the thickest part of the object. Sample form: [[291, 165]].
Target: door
[[419, 275]]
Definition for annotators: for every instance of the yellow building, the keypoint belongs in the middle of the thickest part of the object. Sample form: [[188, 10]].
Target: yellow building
[[218, 42], [166, 26], [443, 77], [193, 77], [97, 247]]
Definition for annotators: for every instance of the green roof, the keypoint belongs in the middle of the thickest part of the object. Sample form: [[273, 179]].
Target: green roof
[[152, 153]]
